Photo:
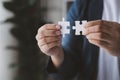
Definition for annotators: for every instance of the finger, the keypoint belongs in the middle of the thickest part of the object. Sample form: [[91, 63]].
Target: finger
[[48, 40], [99, 43], [99, 36], [97, 28], [98, 22], [50, 27], [46, 48], [115, 27], [93, 23], [48, 33]]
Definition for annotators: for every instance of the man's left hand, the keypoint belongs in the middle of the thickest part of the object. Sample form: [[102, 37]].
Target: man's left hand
[[104, 34]]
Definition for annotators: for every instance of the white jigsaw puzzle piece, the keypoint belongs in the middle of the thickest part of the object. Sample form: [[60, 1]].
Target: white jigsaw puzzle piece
[[79, 27], [65, 25]]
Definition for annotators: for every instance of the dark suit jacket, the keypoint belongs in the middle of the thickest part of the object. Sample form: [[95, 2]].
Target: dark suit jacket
[[81, 57]]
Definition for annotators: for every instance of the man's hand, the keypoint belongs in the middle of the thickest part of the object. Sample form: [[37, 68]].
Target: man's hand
[[49, 41], [104, 34]]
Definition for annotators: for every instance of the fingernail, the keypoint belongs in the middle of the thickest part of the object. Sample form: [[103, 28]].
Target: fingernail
[[58, 32], [58, 26]]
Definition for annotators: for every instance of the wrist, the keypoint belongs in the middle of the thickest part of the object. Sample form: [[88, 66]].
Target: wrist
[[58, 59]]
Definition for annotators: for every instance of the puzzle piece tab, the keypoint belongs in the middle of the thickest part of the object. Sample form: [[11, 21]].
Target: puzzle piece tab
[[65, 25], [79, 27]]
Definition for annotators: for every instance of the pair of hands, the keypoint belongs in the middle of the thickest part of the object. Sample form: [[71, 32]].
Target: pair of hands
[[101, 33]]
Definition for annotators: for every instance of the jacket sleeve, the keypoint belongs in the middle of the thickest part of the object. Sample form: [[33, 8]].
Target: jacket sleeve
[[72, 46]]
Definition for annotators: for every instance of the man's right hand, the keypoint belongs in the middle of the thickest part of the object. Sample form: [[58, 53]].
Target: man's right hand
[[49, 41]]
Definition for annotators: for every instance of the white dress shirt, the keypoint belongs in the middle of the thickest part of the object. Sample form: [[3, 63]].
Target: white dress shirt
[[108, 64]]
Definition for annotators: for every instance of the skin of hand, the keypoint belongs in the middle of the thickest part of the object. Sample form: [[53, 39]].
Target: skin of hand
[[104, 34], [49, 41]]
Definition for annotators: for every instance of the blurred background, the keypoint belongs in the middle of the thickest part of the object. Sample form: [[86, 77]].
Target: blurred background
[[20, 57]]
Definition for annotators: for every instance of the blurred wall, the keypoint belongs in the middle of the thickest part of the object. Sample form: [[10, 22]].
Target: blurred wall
[[54, 11], [8, 58]]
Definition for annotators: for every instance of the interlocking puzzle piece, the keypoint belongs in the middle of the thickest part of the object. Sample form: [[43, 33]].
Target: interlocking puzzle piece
[[65, 25], [79, 27]]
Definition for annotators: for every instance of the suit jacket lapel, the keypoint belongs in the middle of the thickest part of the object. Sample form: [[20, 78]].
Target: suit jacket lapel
[[92, 11]]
